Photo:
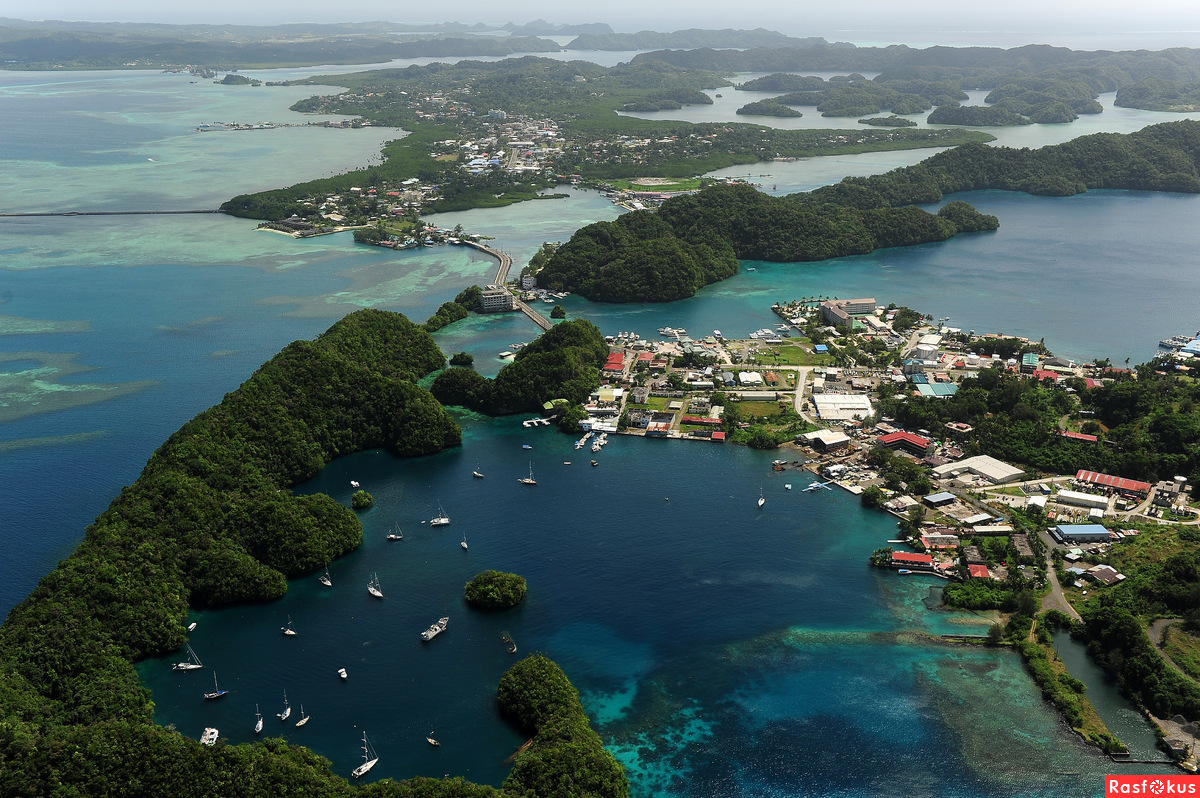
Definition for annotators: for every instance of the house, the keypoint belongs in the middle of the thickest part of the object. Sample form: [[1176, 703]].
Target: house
[[979, 572]]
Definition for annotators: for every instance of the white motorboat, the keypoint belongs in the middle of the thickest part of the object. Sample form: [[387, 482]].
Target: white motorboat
[[761, 499], [324, 578], [342, 673], [209, 737]]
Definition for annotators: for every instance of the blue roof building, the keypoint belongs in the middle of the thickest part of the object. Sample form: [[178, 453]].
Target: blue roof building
[[1082, 533]]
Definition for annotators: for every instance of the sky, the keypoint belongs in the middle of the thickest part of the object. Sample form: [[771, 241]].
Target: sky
[[1075, 23]]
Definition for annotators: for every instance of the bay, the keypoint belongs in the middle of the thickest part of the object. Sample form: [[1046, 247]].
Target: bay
[[721, 651]]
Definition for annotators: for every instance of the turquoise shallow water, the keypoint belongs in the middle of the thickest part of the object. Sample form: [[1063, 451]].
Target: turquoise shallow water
[[721, 650]]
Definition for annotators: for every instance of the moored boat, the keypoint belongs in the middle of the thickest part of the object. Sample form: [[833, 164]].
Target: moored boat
[[288, 630], [529, 480], [342, 673], [324, 578], [369, 759], [217, 692], [436, 629], [303, 717], [258, 724], [508, 643], [373, 587], [429, 739], [209, 737], [190, 665], [441, 519], [287, 708]]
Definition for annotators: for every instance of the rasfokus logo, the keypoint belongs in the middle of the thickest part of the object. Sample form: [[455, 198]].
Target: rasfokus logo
[[1151, 785]]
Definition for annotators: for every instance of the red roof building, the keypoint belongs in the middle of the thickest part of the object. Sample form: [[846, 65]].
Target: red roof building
[[1041, 374], [908, 559], [1077, 436], [718, 436], [1119, 484], [979, 572], [706, 420], [907, 441], [616, 362]]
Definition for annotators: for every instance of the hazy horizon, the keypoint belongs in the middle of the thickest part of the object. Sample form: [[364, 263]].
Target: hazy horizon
[[1154, 24]]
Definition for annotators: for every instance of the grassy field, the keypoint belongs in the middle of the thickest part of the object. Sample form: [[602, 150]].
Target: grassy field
[[760, 408], [1154, 544], [652, 403], [789, 354], [1183, 649]]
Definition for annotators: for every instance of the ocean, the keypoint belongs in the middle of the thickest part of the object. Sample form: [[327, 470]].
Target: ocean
[[720, 649]]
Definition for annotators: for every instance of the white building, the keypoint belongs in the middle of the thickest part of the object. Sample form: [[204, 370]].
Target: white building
[[842, 406], [1080, 499], [995, 471], [497, 298]]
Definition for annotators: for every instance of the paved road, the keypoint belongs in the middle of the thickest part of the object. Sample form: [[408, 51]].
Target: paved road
[[1055, 599]]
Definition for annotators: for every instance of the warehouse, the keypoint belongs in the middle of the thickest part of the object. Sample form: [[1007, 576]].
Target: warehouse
[[842, 407], [995, 471]]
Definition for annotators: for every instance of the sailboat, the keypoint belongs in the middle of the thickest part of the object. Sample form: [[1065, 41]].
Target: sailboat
[[373, 587], [369, 759], [287, 708], [258, 725], [217, 692], [324, 578], [464, 541], [761, 500], [529, 480], [288, 630], [397, 535], [477, 473], [190, 665], [442, 519], [303, 717]]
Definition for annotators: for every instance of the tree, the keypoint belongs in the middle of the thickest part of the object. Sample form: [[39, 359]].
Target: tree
[[558, 312], [462, 359], [361, 500]]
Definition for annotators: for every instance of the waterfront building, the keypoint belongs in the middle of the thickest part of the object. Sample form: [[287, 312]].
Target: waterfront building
[[841, 313], [496, 299], [908, 559], [826, 440], [1029, 362]]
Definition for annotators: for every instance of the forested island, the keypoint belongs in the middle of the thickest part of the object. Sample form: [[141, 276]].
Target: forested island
[[563, 363], [691, 241], [695, 240], [211, 522]]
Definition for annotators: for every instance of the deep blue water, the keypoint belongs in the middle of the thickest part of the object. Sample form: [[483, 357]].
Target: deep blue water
[[719, 648]]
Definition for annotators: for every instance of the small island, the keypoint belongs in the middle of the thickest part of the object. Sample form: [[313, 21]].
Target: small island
[[495, 590]]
